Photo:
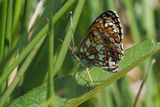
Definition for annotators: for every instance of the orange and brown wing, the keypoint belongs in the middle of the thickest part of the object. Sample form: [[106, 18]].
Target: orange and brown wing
[[102, 45]]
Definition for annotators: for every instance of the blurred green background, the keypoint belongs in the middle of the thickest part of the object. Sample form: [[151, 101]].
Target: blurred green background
[[25, 47]]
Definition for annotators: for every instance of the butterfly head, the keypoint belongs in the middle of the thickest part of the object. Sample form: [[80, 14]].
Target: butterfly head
[[75, 52]]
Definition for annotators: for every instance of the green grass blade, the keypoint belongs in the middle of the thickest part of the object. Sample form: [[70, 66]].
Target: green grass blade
[[20, 74], [73, 88], [31, 45], [40, 96], [132, 21], [9, 23], [148, 19], [132, 57], [105, 98], [17, 12], [3, 27], [110, 4], [50, 58], [24, 53], [68, 37]]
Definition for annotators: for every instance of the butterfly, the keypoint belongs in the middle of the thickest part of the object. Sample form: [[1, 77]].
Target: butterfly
[[102, 44]]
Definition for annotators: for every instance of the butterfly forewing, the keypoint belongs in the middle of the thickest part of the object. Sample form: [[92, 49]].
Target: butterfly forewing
[[102, 44]]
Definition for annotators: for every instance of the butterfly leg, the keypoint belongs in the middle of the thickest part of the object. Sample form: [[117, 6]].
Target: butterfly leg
[[87, 82], [91, 81]]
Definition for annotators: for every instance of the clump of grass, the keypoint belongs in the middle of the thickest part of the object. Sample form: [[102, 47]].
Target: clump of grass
[[44, 68]]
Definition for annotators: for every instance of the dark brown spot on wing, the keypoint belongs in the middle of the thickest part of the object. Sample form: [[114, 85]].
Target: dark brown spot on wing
[[92, 50], [91, 36]]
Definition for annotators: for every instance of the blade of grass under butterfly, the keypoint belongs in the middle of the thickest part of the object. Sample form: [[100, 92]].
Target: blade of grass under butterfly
[[132, 57], [71, 93]]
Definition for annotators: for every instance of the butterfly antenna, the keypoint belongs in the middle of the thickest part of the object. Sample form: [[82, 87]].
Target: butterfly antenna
[[63, 41], [60, 40], [71, 20], [72, 41]]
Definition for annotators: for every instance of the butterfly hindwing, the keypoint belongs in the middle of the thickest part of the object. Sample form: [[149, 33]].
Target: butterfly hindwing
[[102, 44]]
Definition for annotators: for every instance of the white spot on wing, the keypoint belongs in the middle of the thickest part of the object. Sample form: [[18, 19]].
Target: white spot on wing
[[98, 36], [101, 21], [101, 56], [118, 20], [115, 30], [95, 33], [99, 47], [111, 39], [100, 63], [101, 52], [85, 49], [91, 57], [81, 49], [88, 42], [110, 24], [94, 44], [111, 63], [106, 25], [87, 53]]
